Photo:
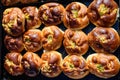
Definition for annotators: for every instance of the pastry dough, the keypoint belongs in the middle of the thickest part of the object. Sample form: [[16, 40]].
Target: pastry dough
[[75, 42], [51, 13], [76, 16], [14, 44], [13, 64], [31, 63], [103, 65], [75, 67], [103, 12], [52, 38], [32, 40], [51, 64], [13, 21], [104, 40], [31, 17]]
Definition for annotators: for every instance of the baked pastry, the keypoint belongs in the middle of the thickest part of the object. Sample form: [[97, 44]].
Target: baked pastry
[[31, 63], [32, 40], [9, 2], [103, 65], [14, 44], [28, 1], [75, 42], [103, 13], [76, 16], [51, 64], [104, 40], [13, 64], [75, 67], [51, 13], [31, 17], [13, 21], [52, 38]]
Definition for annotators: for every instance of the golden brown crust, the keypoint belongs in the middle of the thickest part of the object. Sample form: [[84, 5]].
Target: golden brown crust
[[103, 65], [75, 67], [28, 1], [31, 16], [31, 63], [13, 44], [52, 38], [51, 13], [13, 21], [103, 12], [51, 64], [76, 16], [13, 64], [32, 40], [75, 42], [104, 40], [9, 2]]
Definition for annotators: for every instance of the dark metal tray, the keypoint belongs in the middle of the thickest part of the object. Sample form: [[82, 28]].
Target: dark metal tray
[[3, 50]]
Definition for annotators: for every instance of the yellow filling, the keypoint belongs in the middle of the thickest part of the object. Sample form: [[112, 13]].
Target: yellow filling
[[9, 25], [72, 44], [103, 9], [49, 38], [46, 68], [115, 11], [27, 65], [27, 16], [45, 17], [103, 40], [27, 40], [70, 65], [100, 68], [75, 13], [9, 63]]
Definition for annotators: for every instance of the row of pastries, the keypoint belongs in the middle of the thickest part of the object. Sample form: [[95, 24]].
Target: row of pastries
[[101, 40], [51, 64], [20, 24], [50, 38], [75, 16]]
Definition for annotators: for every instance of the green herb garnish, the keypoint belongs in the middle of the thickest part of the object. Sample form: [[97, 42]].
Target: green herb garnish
[[27, 16], [71, 65], [100, 68], [47, 68], [103, 9], [103, 40], [50, 38], [27, 39], [115, 10], [45, 17], [75, 13], [72, 44]]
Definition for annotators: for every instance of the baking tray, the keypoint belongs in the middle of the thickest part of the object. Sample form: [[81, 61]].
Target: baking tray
[[3, 50]]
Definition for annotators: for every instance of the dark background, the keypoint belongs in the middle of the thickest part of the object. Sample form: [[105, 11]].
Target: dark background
[[3, 50]]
